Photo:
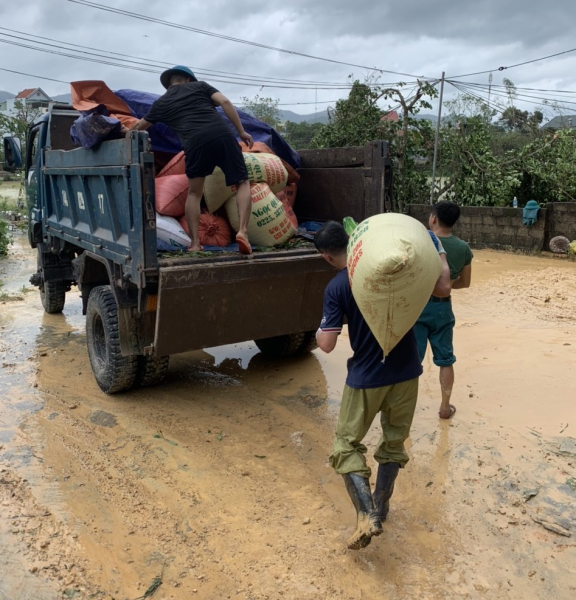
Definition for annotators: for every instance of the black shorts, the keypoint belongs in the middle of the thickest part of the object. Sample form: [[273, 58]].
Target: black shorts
[[223, 152]]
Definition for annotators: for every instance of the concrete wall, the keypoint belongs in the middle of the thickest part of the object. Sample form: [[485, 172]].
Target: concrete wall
[[501, 228]]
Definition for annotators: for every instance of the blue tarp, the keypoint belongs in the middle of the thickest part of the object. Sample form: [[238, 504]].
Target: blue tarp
[[93, 127], [164, 139]]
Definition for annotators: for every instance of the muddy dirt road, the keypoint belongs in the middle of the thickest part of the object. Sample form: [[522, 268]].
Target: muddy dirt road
[[217, 482]]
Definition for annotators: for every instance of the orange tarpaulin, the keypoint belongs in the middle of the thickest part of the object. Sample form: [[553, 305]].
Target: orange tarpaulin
[[88, 95]]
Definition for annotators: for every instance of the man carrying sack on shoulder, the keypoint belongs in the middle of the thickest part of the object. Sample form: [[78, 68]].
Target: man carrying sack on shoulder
[[373, 386], [189, 108]]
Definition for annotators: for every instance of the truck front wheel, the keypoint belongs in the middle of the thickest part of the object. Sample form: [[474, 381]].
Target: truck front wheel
[[292, 344], [112, 371], [53, 296]]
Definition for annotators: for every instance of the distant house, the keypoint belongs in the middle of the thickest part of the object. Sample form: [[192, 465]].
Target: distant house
[[33, 98], [561, 122]]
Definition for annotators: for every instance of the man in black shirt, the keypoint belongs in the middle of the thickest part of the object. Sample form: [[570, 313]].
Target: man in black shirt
[[189, 108]]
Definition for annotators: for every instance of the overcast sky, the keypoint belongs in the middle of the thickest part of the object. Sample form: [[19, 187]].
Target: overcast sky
[[417, 37]]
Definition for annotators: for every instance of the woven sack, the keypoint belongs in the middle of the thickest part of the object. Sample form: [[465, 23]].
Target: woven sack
[[393, 267], [213, 230], [169, 231], [266, 168], [171, 194], [269, 224], [176, 166]]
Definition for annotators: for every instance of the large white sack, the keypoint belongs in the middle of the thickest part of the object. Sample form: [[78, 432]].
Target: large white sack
[[269, 225], [169, 231], [393, 267], [261, 168]]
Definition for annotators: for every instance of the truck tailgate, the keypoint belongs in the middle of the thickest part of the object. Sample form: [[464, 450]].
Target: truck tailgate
[[200, 306]]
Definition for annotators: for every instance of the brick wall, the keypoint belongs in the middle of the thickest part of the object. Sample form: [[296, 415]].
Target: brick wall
[[501, 228], [561, 221]]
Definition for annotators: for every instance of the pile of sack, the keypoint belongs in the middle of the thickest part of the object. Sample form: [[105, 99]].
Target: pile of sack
[[271, 163], [273, 191]]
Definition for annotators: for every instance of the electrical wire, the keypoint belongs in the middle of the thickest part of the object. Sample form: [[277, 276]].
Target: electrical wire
[[35, 76], [232, 39], [150, 62], [145, 67], [528, 62]]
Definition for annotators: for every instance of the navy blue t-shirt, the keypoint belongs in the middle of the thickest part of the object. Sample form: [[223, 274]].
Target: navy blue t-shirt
[[365, 368]]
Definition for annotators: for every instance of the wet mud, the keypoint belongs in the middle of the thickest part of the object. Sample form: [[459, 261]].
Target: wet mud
[[216, 483]]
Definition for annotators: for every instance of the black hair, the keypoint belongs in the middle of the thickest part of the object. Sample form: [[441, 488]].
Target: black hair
[[331, 238], [446, 212]]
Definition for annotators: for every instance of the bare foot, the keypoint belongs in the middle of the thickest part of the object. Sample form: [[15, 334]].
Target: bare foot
[[368, 526], [196, 248], [447, 413], [243, 244]]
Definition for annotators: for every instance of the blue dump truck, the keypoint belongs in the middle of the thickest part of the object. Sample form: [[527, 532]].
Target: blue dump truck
[[92, 221]]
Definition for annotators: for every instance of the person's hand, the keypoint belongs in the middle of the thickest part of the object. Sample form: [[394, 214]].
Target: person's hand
[[247, 139]]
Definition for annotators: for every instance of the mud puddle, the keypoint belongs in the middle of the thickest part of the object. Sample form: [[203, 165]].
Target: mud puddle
[[217, 481]]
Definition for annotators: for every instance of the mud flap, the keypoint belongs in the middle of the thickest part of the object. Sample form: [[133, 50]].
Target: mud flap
[[202, 306]]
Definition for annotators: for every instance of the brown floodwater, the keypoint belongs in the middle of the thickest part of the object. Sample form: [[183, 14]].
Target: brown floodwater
[[218, 483]]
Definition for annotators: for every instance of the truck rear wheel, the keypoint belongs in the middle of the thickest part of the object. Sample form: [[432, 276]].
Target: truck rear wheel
[[112, 371], [151, 370], [53, 296], [292, 344]]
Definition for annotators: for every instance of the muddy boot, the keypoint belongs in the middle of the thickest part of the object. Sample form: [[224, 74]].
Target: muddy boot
[[387, 474], [368, 524]]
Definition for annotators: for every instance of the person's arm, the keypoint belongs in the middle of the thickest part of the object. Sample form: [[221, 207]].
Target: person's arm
[[332, 321], [141, 125], [326, 340], [219, 99], [463, 280], [443, 286]]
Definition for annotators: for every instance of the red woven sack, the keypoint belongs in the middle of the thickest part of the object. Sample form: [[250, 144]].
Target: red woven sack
[[213, 230], [289, 192], [288, 208], [171, 193], [176, 166]]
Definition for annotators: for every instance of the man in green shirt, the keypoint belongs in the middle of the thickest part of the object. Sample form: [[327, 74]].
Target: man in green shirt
[[436, 323]]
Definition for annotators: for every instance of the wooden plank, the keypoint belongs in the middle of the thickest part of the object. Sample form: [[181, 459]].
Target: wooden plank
[[332, 157], [331, 194]]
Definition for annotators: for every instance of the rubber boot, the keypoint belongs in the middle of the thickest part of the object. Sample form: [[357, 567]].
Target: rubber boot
[[385, 479], [368, 523]]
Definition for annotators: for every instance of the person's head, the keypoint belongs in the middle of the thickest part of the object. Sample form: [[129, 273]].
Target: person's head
[[177, 76], [444, 214], [331, 240]]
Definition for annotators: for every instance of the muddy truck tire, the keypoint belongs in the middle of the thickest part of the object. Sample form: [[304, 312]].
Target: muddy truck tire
[[283, 346], [53, 296], [151, 370], [113, 372]]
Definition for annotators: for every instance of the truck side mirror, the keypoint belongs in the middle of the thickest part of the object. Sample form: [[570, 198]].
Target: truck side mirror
[[12, 154]]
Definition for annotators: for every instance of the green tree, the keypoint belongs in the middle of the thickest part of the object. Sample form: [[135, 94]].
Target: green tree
[[265, 109], [358, 120], [17, 123], [300, 135]]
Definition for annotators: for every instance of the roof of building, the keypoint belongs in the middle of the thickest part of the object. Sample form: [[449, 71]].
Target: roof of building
[[25, 93], [561, 122]]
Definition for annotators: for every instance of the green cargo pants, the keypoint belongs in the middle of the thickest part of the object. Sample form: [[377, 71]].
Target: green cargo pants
[[396, 405]]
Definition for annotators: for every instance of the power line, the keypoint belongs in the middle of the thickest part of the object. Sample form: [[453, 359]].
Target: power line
[[230, 38], [149, 62], [528, 98], [35, 76], [528, 62], [151, 68]]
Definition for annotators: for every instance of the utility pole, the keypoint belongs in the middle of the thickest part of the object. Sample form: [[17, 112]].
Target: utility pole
[[432, 186]]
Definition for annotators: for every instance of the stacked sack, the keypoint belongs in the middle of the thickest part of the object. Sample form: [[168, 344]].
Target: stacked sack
[[273, 192]]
